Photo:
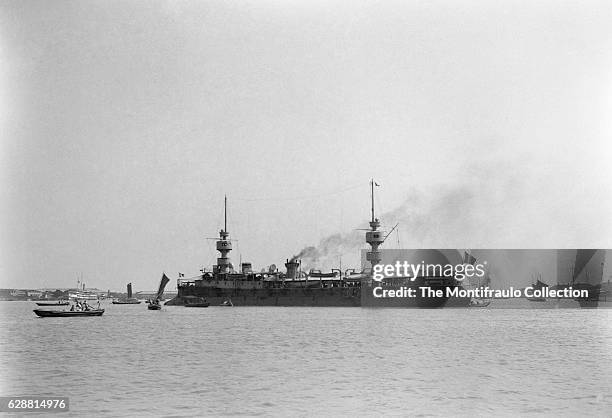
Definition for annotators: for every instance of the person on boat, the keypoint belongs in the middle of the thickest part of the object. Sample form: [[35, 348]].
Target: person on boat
[[85, 306], [71, 308], [78, 306], [98, 303]]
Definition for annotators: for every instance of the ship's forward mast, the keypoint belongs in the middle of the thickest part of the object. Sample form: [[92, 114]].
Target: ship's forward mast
[[224, 246]]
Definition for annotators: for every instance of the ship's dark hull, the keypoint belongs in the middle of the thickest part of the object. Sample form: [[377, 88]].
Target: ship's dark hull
[[341, 296], [335, 296]]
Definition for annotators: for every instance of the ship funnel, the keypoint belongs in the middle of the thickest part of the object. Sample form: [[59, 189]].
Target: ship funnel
[[292, 268]]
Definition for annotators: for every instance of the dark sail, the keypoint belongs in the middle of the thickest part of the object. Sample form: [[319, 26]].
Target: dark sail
[[129, 288], [162, 285], [582, 259]]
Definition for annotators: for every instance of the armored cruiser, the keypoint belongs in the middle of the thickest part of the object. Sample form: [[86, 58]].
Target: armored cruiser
[[293, 287]]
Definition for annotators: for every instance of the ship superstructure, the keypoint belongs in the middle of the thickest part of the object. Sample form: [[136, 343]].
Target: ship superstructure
[[371, 289]]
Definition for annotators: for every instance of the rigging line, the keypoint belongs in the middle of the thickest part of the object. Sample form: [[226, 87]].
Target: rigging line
[[258, 199]]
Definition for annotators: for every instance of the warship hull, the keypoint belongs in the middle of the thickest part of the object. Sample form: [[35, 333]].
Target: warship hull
[[307, 296], [341, 296]]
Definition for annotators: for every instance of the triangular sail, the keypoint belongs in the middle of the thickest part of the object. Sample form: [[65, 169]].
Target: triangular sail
[[129, 289], [162, 285], [588, 267]]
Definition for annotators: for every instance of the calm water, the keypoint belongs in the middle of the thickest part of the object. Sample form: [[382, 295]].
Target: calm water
[[311, 361]]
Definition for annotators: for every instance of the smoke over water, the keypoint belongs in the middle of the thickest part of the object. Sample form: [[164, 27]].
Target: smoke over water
[[327, 254], [489, 210], [417, 217]]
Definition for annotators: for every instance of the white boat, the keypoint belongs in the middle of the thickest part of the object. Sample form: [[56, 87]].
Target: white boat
[[83, 296]]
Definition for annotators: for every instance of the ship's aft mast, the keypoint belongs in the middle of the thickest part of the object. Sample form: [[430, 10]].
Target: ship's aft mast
[[374, 236], [224, 245]]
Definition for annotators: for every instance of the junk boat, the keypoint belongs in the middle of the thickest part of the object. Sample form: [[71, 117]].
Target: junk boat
[[296, 288], [155, 304], [129, 300], [538, 285]]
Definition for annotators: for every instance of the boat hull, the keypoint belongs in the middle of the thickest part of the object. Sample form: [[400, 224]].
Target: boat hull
[[195, 302], [44, 313]]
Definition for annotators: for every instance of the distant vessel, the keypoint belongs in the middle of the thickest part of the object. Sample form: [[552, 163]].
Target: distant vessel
[[78, 295], [479, 303], [590, 271], [538, 285], [297, 288], [58, 303], [155, 304], [129, 300]]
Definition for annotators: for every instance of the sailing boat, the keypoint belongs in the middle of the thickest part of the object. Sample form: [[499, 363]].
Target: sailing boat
[[130, 300], [538, 285], [155, 305], [478, 302]]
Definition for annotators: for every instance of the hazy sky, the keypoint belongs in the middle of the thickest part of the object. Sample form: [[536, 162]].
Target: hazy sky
[[123, 123]]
